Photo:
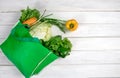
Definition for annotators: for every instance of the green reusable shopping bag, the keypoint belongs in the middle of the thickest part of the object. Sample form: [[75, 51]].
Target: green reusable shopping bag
[[26, 52]]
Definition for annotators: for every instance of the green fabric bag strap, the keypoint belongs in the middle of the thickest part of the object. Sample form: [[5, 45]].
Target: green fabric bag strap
[[24, 30], [27, 37]]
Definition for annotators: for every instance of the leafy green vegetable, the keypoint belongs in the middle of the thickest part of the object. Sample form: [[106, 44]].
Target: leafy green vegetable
[[29, 13], [59, 23], [41, 29], [61, 47]]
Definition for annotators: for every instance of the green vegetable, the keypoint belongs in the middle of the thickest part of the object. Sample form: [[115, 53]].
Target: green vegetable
[[59, 23], [29, 13], [60, 47], [41, 31]]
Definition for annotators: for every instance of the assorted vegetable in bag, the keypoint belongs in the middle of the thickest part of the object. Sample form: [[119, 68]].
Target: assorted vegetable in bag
[[26, 52], [33, 46], [40, 27]]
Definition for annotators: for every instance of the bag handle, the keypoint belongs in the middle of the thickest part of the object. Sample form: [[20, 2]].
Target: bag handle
[[26, 36]]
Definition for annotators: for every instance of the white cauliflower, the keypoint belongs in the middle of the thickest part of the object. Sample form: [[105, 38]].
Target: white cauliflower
[[41, 31]]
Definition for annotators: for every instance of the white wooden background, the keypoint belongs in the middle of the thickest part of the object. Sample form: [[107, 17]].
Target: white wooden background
[[96, 43]]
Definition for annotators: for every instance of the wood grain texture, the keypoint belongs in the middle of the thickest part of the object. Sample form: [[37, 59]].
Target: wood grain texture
[[64, 5], [66, 71], [85, 30], [80, 58], [96, 43], [81, 17]]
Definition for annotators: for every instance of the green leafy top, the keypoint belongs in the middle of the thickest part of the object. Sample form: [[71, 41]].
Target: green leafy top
[[60, 47], [59, 23], [29, 13]]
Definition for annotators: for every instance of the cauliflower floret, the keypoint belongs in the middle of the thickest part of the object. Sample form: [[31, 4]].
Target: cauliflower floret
[[41, 31]]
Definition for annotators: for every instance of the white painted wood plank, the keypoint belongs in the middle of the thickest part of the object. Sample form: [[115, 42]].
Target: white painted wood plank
[[96, 43], [93, 43], [5, 31], [81, 71], [81, 17], [10, 71], [80, 58], [64, 5], [9, 18], [66, 71], [91, 30], [84, 30]]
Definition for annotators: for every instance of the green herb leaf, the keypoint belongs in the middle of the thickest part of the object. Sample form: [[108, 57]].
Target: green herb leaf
[[60, 47], [59, 23], [29, 13]]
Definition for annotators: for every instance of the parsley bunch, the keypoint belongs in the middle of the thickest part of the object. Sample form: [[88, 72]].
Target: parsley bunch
[[29, 13], [60, 47]]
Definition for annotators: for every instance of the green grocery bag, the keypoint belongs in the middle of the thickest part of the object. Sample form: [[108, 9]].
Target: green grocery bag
[[26, 52]]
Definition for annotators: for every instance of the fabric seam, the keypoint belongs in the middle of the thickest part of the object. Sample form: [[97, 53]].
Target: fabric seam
[[40, 63]]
